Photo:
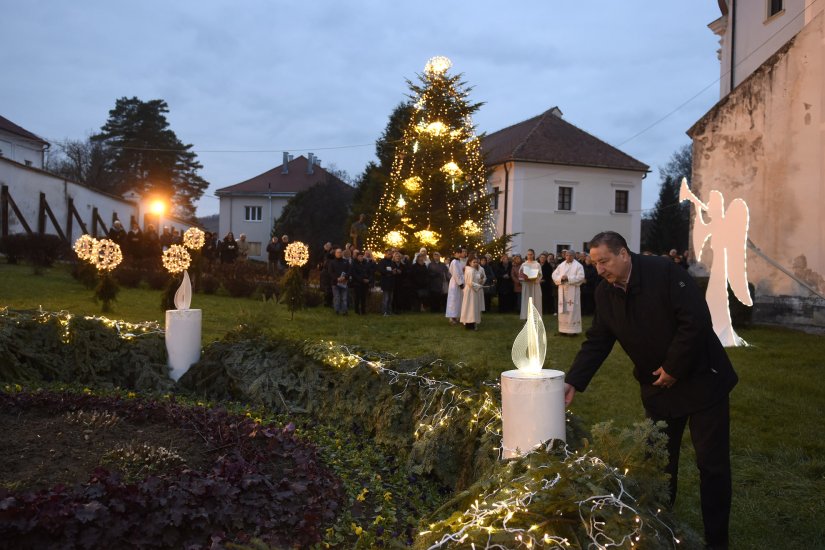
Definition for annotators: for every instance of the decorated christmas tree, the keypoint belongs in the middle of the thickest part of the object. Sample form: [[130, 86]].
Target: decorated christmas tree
[[437, 193]]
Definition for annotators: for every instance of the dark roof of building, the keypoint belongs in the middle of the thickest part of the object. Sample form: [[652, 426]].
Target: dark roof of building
[[12, 128], [276, 181], [548, 138]]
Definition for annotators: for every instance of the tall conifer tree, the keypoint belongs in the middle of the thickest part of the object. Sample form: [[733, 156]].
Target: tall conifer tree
[[437, 193]]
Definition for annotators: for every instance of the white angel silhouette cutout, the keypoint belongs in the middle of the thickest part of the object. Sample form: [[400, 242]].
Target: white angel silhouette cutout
[[728, 234]]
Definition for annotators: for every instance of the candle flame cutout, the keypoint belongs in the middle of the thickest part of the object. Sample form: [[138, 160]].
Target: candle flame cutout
[[183, 297], [530, 346]]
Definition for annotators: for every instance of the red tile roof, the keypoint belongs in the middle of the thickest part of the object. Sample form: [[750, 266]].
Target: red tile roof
[[547, 138], [12, 128], [275, 181]]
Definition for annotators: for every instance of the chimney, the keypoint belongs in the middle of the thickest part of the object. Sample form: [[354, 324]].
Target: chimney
[[310, 163], [317, 161], [555, 111], [284, 166]]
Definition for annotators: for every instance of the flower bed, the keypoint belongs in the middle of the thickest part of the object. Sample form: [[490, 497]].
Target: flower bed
[[261, 483]]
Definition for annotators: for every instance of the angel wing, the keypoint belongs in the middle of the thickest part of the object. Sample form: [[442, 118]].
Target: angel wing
[[734, 237], [701, 233]]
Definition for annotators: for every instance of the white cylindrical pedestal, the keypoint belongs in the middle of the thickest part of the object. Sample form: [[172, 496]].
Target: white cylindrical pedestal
[[183, 339], [532, 410]]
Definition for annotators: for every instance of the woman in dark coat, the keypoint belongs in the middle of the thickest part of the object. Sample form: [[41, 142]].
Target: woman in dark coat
[[228, 249], [420, 282]]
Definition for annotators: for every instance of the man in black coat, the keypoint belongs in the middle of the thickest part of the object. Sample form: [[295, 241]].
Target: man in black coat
[[657, 313], [362, 279], [339, 273]]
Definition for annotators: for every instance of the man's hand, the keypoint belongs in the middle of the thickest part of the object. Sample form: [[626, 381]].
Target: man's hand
[[665, 380], [569, 394]]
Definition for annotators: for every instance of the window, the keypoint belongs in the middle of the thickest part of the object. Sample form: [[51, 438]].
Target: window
[[495, 198], [254, 248], [561, 247], [565, 198], [28, 163], [622, 197], [252, 213], [774, 7]]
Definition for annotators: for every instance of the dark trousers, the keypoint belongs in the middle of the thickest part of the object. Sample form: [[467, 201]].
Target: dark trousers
[[438, 302], [710, 433], [506, 302], [361, 292]]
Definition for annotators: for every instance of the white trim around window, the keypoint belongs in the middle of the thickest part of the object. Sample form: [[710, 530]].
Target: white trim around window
[[253, 213]]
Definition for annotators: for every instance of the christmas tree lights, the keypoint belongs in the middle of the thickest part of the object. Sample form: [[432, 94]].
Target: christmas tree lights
[[437, 193]]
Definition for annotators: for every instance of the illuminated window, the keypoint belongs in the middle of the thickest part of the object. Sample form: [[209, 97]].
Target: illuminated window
[[565, 198], [252, 213], [621, 201]]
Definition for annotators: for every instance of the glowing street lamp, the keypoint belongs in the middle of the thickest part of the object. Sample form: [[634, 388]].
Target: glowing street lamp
[[158, 207]]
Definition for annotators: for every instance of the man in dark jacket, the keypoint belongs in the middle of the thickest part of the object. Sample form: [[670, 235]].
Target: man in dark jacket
[[338, 272], [504, 284], [362, 279], [439, 278], [657, 313], [388, 270]]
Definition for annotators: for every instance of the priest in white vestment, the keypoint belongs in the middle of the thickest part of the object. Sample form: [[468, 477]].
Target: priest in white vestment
[[454, 291], [569, 276]]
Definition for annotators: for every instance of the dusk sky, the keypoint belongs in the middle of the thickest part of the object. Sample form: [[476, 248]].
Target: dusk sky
[[246, 80]]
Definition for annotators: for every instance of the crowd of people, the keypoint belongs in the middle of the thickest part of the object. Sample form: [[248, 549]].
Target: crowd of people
[[461, 286], [146, 246]]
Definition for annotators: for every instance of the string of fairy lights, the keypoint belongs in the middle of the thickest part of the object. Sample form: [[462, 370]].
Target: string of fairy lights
[[493, 512], [124, 330], [437, 193]]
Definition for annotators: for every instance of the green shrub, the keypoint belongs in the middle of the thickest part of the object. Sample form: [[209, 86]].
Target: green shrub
[[208, 284], [38, 250], [239, 287], [157, 279], [129, 277]]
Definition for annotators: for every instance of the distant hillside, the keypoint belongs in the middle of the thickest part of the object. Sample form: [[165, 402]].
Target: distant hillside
[[210, 223]]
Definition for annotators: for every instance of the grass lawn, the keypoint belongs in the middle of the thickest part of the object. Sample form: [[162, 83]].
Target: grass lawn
[[778, 451]]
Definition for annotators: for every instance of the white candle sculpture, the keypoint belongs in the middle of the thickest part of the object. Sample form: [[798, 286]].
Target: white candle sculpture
[[183, 331], [532, 398]]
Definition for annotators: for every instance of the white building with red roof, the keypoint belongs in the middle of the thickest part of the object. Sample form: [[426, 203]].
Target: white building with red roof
[[252, 206], [556, 185]]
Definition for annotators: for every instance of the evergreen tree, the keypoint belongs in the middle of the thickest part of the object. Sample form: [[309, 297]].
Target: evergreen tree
[[436, 195], [668, 224], [316, 215], [371, 183], [148, 157]]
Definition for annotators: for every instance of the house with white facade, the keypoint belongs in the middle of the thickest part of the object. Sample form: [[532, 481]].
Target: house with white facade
[[252, 206], [764, 142], [20, 145], [555, 185], [33, 200]]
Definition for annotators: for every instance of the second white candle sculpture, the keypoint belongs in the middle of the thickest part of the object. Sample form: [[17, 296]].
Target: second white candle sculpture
[[532, 398], [183, 331]]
